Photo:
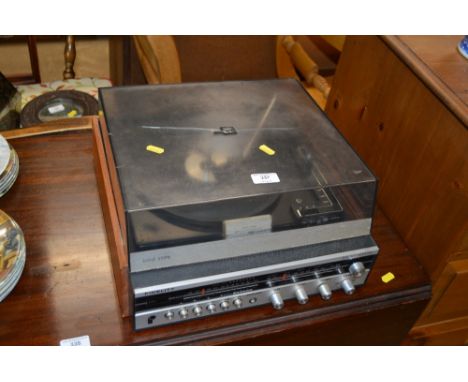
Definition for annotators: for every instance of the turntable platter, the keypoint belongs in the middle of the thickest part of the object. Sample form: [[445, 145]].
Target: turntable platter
[[225, 211]]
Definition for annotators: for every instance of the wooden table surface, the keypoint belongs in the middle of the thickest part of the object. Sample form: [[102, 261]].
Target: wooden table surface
[[67, 288], [437, 62]]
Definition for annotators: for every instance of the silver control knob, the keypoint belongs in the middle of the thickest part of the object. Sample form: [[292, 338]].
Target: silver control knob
[[325, 291], [357, 269], [237, 302], [276, 300], [224, 305], [211, 308], [169, 315], [197, 311], [347, 286], [183, 313], [301, 295]]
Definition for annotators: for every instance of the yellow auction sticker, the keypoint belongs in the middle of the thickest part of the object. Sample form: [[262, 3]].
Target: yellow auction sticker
[[267, 150], [387, 277], [155, 149]]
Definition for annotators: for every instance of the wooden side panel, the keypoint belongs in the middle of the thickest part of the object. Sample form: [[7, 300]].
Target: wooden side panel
[[109, 164], [439, 65], [450, 299], [455, 338], [451, 332], [115, 234], [125, 68], [412, 142]]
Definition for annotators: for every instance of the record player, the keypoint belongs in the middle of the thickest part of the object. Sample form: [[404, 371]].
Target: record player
[[230, 195]]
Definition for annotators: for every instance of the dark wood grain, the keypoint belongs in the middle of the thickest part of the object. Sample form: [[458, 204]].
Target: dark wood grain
[[57, 126], [68, 290], [125, 68], [34, 59]]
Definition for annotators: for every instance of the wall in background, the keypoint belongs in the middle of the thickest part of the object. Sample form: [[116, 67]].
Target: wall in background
[[92, 57]]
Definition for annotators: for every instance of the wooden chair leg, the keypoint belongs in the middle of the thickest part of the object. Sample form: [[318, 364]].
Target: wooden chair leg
[[34, 59], [306, 66], [70, 54]]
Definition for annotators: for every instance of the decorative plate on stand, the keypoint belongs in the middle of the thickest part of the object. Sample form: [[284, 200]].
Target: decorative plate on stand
[[58, 105]]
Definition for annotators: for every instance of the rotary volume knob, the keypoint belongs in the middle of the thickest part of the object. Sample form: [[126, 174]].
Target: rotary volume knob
[[276, 300], [197, 311], [183, 313], [347, 286], [325, 291], [211, 308], [237, 303], [357, 269], [301, 295]]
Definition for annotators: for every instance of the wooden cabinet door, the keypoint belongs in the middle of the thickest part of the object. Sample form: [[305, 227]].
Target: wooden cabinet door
[[451, 332], [455, 338], [450, 299]]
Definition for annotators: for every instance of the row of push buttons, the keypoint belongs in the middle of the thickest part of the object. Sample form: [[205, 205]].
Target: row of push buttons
[[211, 308]]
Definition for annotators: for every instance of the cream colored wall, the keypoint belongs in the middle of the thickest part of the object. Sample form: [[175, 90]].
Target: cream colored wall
[[92, 58]]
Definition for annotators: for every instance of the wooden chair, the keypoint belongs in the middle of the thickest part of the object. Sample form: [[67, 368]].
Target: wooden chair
[[34, 76], [175, 59], [70, 55]]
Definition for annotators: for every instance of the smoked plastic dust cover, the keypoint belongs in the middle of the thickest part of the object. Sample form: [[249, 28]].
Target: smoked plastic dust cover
[[192, 157]]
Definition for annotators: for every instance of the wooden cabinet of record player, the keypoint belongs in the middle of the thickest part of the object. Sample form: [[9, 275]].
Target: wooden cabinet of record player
[[402, 104]]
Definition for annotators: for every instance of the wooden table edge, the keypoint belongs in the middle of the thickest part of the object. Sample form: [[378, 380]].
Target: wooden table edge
[[54, 127]]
